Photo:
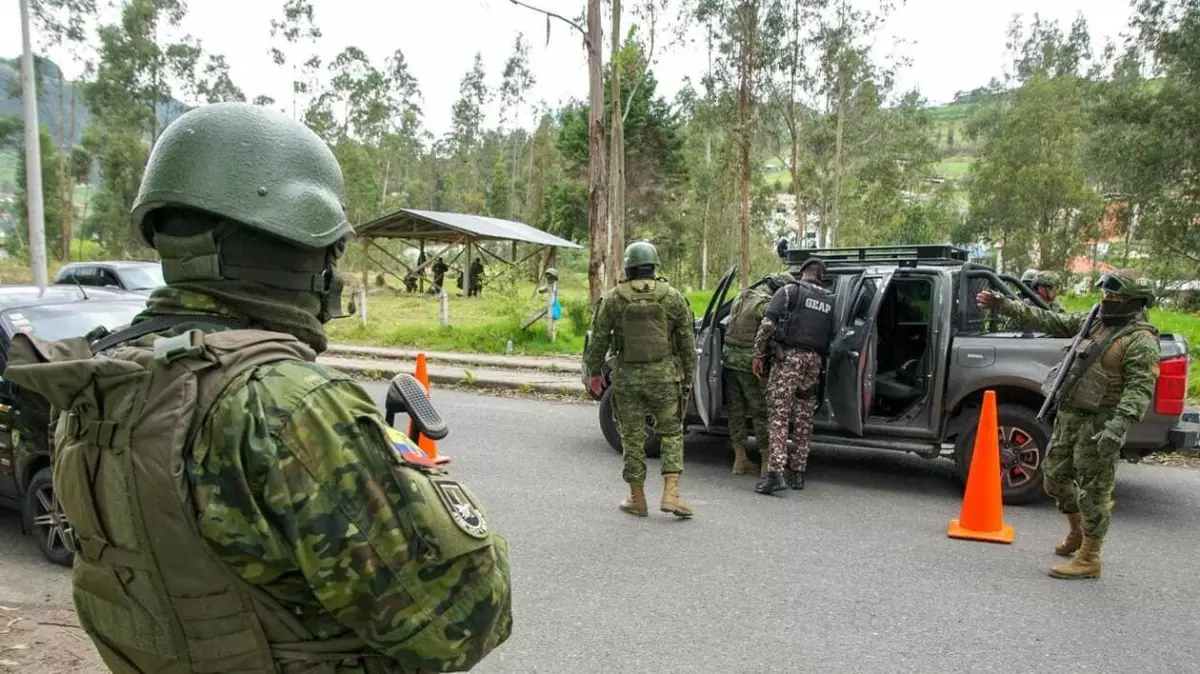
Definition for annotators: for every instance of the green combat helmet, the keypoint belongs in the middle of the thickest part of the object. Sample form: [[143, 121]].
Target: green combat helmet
[[551, 274], [1045, 279], [256, 169], [640, 253], [1029, 276], [1127, 284]]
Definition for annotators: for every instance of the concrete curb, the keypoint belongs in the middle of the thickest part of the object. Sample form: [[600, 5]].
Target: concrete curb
[[484, 379], [564, 364]]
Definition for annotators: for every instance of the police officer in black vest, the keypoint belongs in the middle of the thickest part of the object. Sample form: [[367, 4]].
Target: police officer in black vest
[[797, 332]]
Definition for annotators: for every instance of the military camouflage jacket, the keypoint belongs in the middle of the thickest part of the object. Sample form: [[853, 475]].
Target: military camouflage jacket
[[296, 489], [606, 331], [1139, 365], [737, 357]]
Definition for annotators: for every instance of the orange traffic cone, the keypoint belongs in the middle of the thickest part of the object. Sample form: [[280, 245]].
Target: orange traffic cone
[[982, 517], [426, 443]]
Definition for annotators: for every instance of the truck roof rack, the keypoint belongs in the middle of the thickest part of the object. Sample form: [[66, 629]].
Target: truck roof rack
[[904, 256]]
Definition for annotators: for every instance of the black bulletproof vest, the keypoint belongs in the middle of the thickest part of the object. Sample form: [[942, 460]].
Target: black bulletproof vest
[[809, 319]]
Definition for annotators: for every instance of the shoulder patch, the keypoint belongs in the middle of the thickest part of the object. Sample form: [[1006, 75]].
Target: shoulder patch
[[408, 451], [466, 515]]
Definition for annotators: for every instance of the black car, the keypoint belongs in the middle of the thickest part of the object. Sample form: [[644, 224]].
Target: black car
[[25, 481], [134, 276]]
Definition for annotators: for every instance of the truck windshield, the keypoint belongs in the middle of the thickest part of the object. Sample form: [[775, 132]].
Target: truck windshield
[[74, 319]]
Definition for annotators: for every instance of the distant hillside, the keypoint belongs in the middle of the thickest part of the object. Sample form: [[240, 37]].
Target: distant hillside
[[956, 149], [51, 108], [49, 98]]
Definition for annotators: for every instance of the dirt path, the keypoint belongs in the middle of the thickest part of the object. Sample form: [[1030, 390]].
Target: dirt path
[[45, 640]]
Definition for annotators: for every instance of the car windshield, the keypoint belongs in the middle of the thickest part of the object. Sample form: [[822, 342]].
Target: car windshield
[[143, 278], [71, 319]]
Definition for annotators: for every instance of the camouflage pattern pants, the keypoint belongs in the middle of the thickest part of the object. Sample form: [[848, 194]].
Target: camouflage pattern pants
[[792, 398], [1077, 475], [745, 399], [633, 401]]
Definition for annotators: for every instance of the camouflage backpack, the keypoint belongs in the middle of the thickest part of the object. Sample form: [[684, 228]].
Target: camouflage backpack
[[148, 588], [745, 314], [645, 328]]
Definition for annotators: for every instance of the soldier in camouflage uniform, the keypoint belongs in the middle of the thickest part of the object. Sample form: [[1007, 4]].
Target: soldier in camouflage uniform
[[745, 396], [1108, 389], [650, 326], [235, 505], [1047, 285], [796, 332]]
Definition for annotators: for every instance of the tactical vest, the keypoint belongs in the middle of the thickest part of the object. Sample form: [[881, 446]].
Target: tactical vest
[[745, 315], [1095, 381], [809, 319], [645, 328], [148, 588]]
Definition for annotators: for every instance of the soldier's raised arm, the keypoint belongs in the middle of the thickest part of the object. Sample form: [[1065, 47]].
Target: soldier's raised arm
[[1033, 318], [399, 554]]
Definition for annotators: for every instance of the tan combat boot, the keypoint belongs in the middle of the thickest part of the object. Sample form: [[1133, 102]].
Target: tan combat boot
[[671, 502], [1074, 536], [742, 464], [1085, 563], [635, 503]]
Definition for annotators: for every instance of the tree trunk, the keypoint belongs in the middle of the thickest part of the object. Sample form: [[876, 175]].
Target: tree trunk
[[66, 180], [704, 244], [795, 127], [597, 206], [616, 155], [837, 162], [749, 20], [383, 190]]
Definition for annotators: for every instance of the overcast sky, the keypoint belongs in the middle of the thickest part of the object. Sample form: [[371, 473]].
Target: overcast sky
[[953, 44]]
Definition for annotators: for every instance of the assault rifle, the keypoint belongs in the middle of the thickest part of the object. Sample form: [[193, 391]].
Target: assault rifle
[[1065, 366]]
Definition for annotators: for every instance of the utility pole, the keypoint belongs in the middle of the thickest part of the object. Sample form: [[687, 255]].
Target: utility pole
[[33, 157]]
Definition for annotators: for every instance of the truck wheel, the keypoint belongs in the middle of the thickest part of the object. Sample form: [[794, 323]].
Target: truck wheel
[[46, 519], [612, 430], [1023, 444]]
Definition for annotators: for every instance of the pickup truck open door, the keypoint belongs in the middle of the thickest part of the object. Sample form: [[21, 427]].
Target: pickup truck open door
[[707, 380], [850, 373]]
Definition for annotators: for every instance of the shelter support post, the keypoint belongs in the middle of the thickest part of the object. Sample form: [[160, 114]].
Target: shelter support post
[[443, 307], [366, 262], [551, 295]]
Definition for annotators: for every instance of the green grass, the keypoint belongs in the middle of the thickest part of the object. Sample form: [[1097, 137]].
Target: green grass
[[955, 112], [8, 166], [477, 324], [784, 177], [954, 168]]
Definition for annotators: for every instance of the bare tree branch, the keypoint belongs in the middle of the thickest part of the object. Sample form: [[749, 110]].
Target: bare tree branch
[[649, 63], [556, 16]]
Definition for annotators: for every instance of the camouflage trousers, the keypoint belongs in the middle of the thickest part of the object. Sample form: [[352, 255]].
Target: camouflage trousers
[[633, 401], [745, 400], [1077, 475], [792, 399]]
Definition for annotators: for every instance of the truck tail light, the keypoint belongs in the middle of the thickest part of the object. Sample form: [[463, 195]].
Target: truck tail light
[[1171, 391]]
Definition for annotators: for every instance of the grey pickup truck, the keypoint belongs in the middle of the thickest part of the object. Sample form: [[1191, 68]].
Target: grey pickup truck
[[913, 357]]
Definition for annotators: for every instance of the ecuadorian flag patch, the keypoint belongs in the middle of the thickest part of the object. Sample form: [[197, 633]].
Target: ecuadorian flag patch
[[408, 451]]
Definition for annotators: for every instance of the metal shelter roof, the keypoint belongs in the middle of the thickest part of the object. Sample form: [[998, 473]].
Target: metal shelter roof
[[408, 223]]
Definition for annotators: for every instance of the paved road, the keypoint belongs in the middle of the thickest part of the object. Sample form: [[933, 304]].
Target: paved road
[[855, 574]]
